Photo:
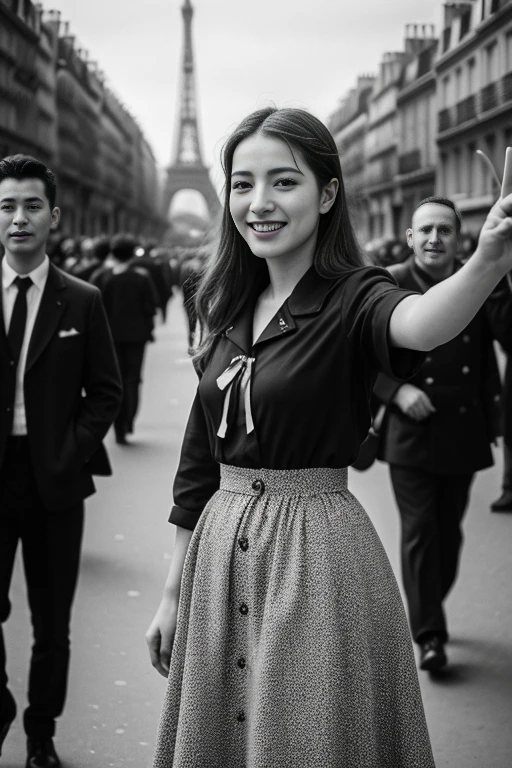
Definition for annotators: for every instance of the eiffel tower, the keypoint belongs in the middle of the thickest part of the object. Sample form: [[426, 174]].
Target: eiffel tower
[[187, 170]]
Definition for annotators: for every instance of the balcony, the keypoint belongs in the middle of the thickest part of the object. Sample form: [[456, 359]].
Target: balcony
[[466, 109], [489, 97], [444, 120], [409, 162], [506, 87]]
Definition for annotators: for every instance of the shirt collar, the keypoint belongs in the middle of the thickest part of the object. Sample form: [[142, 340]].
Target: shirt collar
[[38, 275]]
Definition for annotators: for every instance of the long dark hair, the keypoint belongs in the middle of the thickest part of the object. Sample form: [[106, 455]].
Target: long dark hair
[[233, 272]]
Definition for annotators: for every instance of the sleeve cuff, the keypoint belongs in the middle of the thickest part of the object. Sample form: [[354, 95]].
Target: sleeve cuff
[[184, 517], [396, 362]]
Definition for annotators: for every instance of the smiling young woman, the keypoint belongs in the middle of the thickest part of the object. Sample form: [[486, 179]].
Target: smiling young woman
[[281, 628]]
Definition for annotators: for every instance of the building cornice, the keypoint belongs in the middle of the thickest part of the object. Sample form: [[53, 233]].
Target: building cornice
[[411, 90], [474, 39], [19, 24], [422, 174]]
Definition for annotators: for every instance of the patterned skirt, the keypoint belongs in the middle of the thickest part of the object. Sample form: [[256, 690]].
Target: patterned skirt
[[292, 647]]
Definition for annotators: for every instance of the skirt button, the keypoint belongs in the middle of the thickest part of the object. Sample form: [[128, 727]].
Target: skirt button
[[258, 486]]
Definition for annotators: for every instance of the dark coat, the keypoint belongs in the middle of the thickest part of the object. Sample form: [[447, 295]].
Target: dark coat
[[130, 304], [462, 380], [72, 390]]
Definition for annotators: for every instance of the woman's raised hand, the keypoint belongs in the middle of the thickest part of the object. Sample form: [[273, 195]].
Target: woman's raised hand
[[495, 241]]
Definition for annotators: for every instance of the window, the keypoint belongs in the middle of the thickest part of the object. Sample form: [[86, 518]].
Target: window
[[446, 91], [490, 150], [456, 170], [491, 63], [471, 77], [508, 52], [458, 84], [472, 159]]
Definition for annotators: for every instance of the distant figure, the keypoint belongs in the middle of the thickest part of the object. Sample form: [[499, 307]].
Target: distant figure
[[130, 304], [439, 427], [190, 276], [95, 258], [59, 392]]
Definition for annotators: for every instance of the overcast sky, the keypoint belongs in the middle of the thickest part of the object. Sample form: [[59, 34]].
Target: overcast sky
[[287, 52]]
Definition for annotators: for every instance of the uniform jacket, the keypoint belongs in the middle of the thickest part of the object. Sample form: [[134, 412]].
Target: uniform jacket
[[462, 380], [308, 380], [72, 390]]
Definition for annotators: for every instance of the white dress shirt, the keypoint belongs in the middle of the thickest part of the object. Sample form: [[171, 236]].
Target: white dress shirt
[[34, 294]]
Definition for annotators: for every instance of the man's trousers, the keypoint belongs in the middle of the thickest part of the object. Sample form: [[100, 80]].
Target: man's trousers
[[51, 543], [431, 509]]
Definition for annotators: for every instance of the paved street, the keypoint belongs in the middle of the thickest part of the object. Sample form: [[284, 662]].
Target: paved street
[[114, 693]]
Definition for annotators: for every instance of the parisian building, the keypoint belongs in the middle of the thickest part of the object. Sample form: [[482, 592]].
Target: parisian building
[[349, 125], [431, 106], [56, 106], [474, 82]]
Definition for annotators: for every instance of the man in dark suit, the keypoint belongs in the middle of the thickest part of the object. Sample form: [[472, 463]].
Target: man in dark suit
[[438, 429], [130, 303], [59, 393]]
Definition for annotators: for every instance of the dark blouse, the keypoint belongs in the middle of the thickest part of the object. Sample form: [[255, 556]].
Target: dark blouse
[[312, 372]]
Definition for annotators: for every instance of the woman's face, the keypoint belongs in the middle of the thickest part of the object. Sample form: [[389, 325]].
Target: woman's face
[[275, 202]]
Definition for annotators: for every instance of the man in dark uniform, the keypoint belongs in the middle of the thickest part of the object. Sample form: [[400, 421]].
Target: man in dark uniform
[[438, 429], [59, 393]]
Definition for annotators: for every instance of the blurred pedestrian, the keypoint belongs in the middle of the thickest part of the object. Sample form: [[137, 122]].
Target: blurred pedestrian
[[190, 277], [95, 258], [130, 304], [59, 393], [439, 427]]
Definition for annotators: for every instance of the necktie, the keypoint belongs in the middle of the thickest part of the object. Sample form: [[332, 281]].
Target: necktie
[[18, 318]]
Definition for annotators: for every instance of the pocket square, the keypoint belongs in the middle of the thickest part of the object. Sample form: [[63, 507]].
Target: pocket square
[[71, 332]]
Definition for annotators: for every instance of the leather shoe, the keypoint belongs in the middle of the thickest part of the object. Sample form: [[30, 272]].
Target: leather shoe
[[432, 654], [41, 753], [503, 504], [7, 715]]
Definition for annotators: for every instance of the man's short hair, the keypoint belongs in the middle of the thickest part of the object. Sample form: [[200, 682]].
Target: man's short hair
[[26, 167], [443, 201], [123, 247]]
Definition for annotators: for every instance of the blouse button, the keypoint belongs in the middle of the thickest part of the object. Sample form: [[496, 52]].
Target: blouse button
[[258, 486], [462, 409], [465, 369], [241, 662], [240, 717], [466, 338], [244, 610], [244, 543], [429, 380]]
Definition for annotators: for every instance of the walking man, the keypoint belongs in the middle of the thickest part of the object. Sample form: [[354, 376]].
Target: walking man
[[130, 303], [59, 392], [438, 429]]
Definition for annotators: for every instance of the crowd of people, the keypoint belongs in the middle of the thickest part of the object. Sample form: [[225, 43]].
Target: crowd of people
[[281, 628]]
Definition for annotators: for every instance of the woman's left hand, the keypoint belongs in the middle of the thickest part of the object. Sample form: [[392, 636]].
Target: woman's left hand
[[495, 241]]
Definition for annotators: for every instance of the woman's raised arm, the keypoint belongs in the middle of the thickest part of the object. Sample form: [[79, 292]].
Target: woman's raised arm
[[424, 322]]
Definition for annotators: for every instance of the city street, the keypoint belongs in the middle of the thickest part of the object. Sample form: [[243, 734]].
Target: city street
[[114, 693]]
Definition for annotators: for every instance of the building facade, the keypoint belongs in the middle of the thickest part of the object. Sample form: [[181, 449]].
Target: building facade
[[416, 123], [474, 74], [430, 108], [55, 105], [349, 126]]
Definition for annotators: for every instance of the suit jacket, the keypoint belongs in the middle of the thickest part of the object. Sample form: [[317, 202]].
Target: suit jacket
[[462, 380], [72, 390]]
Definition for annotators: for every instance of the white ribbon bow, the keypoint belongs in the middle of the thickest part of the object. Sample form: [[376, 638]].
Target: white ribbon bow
[[243, 364]]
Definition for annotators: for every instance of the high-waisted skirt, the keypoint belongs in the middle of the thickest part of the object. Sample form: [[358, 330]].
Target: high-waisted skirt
[[292, 648]]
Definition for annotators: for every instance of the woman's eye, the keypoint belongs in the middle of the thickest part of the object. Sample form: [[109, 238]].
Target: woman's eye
[[241, 185], [286, 182]]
